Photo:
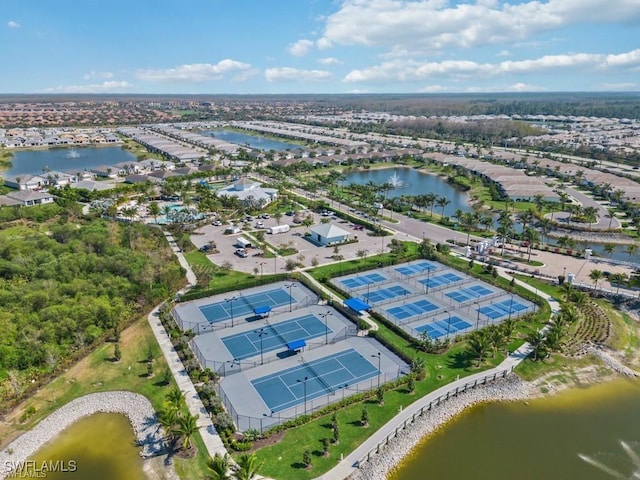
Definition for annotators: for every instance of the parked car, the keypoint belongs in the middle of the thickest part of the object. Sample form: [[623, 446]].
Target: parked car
[[241, 252], [217, 223], [266, 216], [259, 224]]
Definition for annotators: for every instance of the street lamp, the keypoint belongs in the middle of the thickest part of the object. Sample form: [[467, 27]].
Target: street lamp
[[326, 326], [261, 264], [289, 287], [261, 333], [230, 301], [379, 355], [304, 383]]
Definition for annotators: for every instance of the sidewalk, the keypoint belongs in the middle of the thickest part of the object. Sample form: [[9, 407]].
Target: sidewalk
[[209, 435], [350, 463]]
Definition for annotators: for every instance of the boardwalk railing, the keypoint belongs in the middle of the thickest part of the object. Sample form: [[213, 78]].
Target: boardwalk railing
[[427, 406]]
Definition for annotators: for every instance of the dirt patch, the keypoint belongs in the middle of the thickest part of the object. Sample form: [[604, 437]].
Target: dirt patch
[[266, 442]]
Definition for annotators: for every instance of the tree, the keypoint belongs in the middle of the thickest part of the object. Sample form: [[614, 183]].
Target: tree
[[325, 447], [187, 427], [554, 337], [247, 467], [596, 275], [219, 466], [336, 433], [631, 249], [609, 248], [530, 236], [306, 459], [364, 417], [278, 217], [618, 279], [536, 341], [479, 345], [175, 398], [117, 353], [154, 211], [442, 202], [380, 396]]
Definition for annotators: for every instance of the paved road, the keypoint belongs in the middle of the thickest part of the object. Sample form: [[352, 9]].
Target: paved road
[[587, 201]]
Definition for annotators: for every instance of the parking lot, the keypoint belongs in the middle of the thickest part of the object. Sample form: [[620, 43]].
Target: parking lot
[[226, 244]]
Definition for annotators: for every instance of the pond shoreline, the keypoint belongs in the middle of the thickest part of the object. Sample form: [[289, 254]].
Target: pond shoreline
[[135, 407]]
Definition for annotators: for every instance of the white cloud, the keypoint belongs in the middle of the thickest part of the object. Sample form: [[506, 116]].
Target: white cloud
[[503, 53], [401, 70], [104, 87], [102, 75], [192, 73], [432, 89], [524, 87], [288, 74], [13, 24], [329, 61], [300, 48], [432, 25]]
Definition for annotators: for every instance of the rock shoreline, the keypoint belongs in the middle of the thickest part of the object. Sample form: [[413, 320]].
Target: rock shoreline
[[135, 407], [378, 467]]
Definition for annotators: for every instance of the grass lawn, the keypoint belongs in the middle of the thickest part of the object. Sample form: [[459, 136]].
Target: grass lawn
[[284, 459]]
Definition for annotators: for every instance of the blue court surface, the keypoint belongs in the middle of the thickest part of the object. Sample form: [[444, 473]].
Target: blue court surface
[[441, 327], [469, 293], [247, 344], [286, 389], [440, 280], [243, 305], [412, 309], [415, 268], [362, 280], [382, 294], [502, 309]]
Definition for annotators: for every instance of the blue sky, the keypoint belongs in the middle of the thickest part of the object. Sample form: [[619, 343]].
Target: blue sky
[[318, 46]]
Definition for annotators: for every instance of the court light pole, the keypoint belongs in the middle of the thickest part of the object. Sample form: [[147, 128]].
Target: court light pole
[[427, 284], [448, 324], [304, 384], [511, 306], [230, 301], [379, 355], [478, 310], [261, 333], [326, 326], [261, 275], [289, 287]]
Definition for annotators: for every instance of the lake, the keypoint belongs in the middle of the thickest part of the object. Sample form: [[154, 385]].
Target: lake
[[101, 447], [67, 159], [413, 182], [574, 435], [259, 143]]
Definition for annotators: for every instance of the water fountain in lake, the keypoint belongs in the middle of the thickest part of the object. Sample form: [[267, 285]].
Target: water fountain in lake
[[395, 181], [73, 154], [633, 457]]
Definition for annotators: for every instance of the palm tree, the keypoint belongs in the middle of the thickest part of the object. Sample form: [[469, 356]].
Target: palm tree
[[525, 218], [487, 222], [442, 202], [187, 427], [219, 466], [154, 210], [554, 337], [536, 341], [609, 248], [590, 215], [596, 275], [175, 398], [430, 200], [631, 249], [247, 467], [618, 279], [530, 236], [545, 225], [479, 345]]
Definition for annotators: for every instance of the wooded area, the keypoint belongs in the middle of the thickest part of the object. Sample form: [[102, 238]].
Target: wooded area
[[71, 283]]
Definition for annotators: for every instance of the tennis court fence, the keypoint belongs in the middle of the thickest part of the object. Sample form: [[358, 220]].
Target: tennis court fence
[[271, 419], [230, 367]]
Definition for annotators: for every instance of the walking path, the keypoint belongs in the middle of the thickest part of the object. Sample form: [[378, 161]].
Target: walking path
[[210, 437], [350, 463]]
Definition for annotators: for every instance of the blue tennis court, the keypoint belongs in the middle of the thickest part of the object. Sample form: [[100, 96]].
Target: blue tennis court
[[440, 280], [469, 293], [502, 309], [388, 293], [286, 389], [415, 268], [440, 327], [247, 344], [412, 309], [363, 280], [243, 305]]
